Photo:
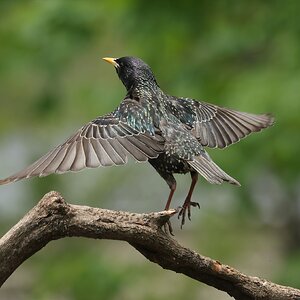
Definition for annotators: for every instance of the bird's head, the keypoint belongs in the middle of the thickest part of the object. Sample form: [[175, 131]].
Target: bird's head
[[132, 70]]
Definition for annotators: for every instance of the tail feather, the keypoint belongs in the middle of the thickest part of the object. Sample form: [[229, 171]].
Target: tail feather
[[210, 171]]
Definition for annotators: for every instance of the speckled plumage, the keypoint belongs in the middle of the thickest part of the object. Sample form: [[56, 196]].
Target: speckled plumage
[[149, 125]]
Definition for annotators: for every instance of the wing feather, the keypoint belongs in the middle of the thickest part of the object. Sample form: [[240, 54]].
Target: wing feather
[[216, 126], [67, 162], [105, 141], [92, 160], [80, 160]]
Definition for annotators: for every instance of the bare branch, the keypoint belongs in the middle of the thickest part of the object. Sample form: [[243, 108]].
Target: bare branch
[[52, 218]]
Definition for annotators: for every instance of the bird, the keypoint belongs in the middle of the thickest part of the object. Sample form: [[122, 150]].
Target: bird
[[171, 133]]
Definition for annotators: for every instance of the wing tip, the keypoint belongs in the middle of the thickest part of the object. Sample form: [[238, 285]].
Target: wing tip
[[233, 182], [7, 180], [270, 119]]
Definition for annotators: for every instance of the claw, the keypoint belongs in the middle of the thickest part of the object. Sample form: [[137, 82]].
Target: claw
[[187, 209], [195, 204], [167, 228]]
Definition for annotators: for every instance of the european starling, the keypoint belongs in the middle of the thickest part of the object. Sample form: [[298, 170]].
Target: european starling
[[149, 125]]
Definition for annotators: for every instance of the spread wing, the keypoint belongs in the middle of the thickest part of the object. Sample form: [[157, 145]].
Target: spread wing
[[105, 141], [216, 126]]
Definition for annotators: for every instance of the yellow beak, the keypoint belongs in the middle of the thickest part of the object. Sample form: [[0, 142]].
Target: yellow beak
[[111, 61]]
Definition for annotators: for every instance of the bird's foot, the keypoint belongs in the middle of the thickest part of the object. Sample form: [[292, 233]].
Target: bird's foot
[[186, 207], [167, 228]]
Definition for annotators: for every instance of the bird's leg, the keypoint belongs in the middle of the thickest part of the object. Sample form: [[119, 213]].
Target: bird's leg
[[167, 225], [172, 190], [188, 203]]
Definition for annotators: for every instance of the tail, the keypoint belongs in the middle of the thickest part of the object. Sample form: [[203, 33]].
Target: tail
[[210, 171]]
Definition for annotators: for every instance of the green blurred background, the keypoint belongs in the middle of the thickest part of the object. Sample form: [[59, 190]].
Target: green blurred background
[[240, 54]]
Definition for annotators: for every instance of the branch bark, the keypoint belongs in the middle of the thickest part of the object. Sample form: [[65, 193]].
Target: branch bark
[[52, 218]]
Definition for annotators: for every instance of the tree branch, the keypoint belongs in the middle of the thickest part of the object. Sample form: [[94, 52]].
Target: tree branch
[[52, 218]]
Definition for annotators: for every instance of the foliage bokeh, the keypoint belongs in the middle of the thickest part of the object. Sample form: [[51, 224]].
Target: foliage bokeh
[[240, 54]]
